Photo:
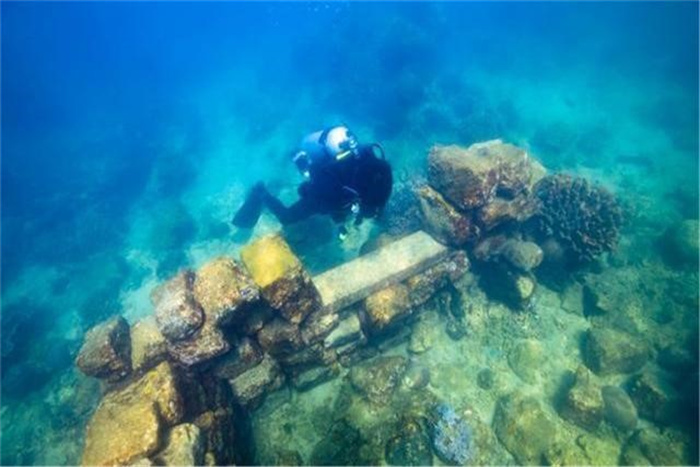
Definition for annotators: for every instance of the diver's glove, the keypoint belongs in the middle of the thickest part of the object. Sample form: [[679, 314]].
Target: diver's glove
[[342, 233]]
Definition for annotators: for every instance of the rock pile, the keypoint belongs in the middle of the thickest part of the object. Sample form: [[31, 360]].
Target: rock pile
[[227, 335]]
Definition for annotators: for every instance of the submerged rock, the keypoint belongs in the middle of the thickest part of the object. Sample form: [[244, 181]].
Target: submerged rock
[[472, 177], [348, 331], [245, 355], [443, 221], [654, 398], [519, 254], [376, 380], [318, 325], [583, 403], [280, 337], [250, 387], [524, 428], [106, 351], [387, 307], [452, 437], [177, 313], [608, 351], [619, 409], [119, 434], [209, 342], [148, 346], [410, 445], [184, 445], [341, 446], [284, 283], [649, 446], [525, 359], [424, 285], [224, 290], [128, 423]]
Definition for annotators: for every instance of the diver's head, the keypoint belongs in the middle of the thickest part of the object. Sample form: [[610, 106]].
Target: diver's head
[[340, 142], [378, 188]]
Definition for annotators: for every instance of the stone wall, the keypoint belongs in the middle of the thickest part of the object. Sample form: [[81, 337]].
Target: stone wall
[[223, 337]]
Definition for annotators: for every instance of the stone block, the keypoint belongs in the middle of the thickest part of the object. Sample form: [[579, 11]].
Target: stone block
[[177, 313], [387, 307], [106, 351], [148, 346]]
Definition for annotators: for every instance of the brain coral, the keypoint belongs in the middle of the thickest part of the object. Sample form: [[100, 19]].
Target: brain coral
[[584, 218]]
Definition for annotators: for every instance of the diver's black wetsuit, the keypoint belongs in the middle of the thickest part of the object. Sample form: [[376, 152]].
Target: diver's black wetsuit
[[332, 189]]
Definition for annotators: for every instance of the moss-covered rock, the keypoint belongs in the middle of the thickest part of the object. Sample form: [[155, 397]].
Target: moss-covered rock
[[443, 221], [184, 445], [387, 306], [244, 356], [608, 351], [119, 434], [583, 402], [524, 428], [148, 346], [207, 343], [619, 411], [106, 351], [410, 445], [653, 396], [280, 337], [284, 283], [525, 359], [424, 285], [249, 388], [129, 421], [224, 289], [649, 446], [377, 379], [177, 313]]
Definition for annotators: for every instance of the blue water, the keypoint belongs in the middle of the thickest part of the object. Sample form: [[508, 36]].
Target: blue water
[[131, 131]]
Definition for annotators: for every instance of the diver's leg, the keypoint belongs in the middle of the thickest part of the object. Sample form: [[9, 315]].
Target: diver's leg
[[302, 209], [248, 214]]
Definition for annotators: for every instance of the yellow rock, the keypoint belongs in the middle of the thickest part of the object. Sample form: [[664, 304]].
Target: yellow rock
[[269, 259], [119, 434], [222, 287], [148, 345], [387, 305]]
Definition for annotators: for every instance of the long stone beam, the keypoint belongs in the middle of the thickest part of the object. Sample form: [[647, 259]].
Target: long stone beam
[[351, 282]]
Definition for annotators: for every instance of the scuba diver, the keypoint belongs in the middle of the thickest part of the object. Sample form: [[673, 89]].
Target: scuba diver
[[344, 179]]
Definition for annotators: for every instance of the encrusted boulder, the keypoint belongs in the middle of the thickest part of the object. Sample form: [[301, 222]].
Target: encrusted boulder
[[519, 254], [525, 358], [422, 286], [148, 346], [280, 337], [472, 177], [217, 427], [653, 396], [245, 355], [583, 402], [649, 446], [524, 428], [106, 351], [308, 379], [249, 388], [119, 434], [619, 411], [284, 283], [209, 342], [224, 289], [607, 351], [443, 221], [318, 325], [347, 332], [177, 313], [500, 211], [386, 307], [377, 379], [184, 445], [409, 445], [452, 437], [128, 423]]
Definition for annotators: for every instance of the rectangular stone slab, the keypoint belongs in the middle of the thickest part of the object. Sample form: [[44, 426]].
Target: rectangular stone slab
[[357, 279]]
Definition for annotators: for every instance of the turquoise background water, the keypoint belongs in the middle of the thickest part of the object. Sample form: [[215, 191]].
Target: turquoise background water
[[131, 131]]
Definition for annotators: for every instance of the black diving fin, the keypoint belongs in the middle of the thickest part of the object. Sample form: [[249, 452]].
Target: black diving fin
[[248, 214]]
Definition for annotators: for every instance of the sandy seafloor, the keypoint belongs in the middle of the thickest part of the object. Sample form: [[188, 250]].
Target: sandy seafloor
[[615, 101]]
